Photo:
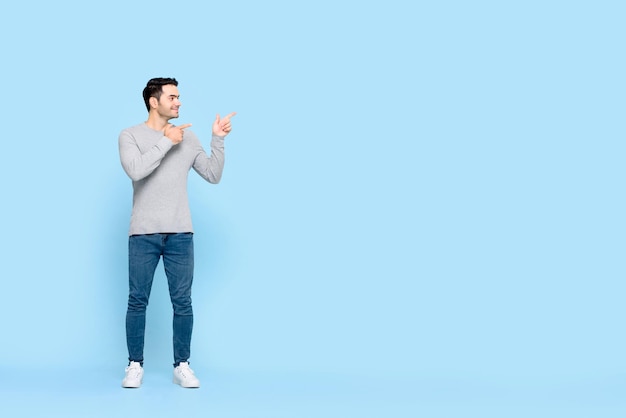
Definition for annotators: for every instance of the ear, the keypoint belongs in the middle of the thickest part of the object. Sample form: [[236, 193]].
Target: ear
[[154, 103]]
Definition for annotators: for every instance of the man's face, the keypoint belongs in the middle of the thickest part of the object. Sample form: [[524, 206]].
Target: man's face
[[169, 102]]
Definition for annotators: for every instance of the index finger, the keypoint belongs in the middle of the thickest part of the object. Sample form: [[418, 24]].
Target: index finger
[[230, 115], [187, 125]]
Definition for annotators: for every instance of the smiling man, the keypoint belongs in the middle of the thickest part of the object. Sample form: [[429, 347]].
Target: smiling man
[[158, 156]]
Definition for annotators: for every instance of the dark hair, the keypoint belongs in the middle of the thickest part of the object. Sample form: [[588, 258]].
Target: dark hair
[[154, 88]]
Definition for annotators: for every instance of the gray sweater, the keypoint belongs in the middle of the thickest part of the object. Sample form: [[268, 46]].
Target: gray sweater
[[159, 171]]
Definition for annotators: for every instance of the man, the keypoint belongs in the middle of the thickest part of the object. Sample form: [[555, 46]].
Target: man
[[158, 156]]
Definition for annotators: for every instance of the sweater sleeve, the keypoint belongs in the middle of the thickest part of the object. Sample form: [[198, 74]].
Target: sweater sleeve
[[137, 165], [210, 167]]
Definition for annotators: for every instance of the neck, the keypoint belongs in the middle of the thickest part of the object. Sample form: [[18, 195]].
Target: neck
[[156, 122]]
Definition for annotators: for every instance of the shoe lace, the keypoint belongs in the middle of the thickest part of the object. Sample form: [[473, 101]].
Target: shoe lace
[[133, 370], [184, 370]]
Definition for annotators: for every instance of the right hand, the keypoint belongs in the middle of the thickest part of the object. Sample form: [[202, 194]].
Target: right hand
[[175, 133]]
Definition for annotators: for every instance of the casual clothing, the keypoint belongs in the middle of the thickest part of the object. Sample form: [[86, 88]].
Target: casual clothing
[[144, 252], [161, 226], [159, 170]]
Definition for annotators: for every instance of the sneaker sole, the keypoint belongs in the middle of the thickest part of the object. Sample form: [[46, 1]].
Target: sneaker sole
[[177, 382], [132, 385]]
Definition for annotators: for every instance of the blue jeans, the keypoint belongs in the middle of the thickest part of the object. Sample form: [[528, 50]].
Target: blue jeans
[[144, 253]]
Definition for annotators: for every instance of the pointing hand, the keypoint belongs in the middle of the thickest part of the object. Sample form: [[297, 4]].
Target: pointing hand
[[175, 133], [221, 127]]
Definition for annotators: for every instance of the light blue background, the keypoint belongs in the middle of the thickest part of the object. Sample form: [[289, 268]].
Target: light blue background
[[422, 206]]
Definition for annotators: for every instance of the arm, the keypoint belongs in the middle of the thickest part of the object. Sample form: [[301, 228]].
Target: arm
[[210, 167], [136, 164]]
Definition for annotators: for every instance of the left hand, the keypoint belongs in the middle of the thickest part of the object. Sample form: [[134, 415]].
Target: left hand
[[221, 127]]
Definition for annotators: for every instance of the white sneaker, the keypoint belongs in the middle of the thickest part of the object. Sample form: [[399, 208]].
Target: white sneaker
[[184, 376], [134, 375]]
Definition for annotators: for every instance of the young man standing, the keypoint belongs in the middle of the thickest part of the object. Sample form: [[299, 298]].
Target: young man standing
[[158, 156]]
